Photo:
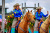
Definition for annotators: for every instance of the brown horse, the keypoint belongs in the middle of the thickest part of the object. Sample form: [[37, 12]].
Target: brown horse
[[23, 26], [45, 25]]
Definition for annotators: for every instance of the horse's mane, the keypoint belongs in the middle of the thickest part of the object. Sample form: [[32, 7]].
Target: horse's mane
[[26, 16]]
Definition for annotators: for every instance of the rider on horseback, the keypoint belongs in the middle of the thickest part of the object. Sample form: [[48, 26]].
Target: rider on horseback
[[38, 17], [17, 14]]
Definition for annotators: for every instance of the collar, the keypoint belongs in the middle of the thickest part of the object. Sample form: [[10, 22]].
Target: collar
[[37, 12], [17, 10]]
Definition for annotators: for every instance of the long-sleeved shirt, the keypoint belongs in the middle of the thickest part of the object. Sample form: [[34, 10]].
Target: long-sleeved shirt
[[18, 13], [39, 16]]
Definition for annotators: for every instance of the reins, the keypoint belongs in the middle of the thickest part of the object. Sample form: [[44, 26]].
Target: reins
[[44, 29], [23, 29]]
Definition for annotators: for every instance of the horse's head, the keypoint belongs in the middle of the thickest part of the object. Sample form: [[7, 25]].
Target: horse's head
[[29, 16]]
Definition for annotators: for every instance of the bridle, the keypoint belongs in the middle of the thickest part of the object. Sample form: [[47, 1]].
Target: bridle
[[25, 21], [28, 16]]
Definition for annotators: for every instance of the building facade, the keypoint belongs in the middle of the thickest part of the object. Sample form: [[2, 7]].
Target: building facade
[[1, 9]]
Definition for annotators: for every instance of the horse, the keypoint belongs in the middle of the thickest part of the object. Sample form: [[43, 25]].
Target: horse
[[45, 25], [23, 26]]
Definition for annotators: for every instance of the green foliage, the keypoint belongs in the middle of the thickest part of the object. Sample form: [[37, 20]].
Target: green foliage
[[31, 25], [9, 21], [49, 27]]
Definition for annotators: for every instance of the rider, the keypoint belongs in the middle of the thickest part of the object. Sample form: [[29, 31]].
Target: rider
[[17, 13], [38, 17]]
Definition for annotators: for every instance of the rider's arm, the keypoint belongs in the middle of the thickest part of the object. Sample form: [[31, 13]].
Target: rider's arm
[[36, 16], [21, 12], [44, 15], [13, 11]]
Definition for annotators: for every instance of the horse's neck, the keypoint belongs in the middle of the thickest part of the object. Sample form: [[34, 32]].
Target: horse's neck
[[25, 25], [46, 23]]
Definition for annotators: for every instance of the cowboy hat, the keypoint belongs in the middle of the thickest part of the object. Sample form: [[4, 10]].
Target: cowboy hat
[[39, 8], [17, 4]]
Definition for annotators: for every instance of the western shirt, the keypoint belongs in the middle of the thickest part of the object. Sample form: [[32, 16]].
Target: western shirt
[[18, 13], [39, 16]]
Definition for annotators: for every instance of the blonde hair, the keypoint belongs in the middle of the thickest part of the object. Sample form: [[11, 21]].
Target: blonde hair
[[19, 8], [14, 8]]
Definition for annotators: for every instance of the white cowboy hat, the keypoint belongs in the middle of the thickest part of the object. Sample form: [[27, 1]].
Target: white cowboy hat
[[39, 8], [17, 4]]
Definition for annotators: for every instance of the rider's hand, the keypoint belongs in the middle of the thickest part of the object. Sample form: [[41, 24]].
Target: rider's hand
[[15, 12], [41, 19], [47, 12], [21, 15]]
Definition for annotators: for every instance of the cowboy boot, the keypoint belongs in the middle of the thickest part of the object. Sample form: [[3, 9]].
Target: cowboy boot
[[29, 30], [12, 30], [36, 32]]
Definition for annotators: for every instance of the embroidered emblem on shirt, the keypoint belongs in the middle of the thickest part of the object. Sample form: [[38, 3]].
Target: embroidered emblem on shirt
[[38, 15]]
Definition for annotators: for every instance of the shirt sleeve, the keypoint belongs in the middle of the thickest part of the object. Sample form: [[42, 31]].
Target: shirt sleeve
[[13, 11], [36, 16], [44, 15], [21, 13]]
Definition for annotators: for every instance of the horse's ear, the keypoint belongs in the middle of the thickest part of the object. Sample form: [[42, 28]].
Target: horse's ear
[[49, 15], [31, 10], [28, 11]]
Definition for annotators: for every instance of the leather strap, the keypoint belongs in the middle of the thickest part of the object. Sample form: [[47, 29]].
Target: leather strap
[[22, 29], [44, 30], [46, 24]]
